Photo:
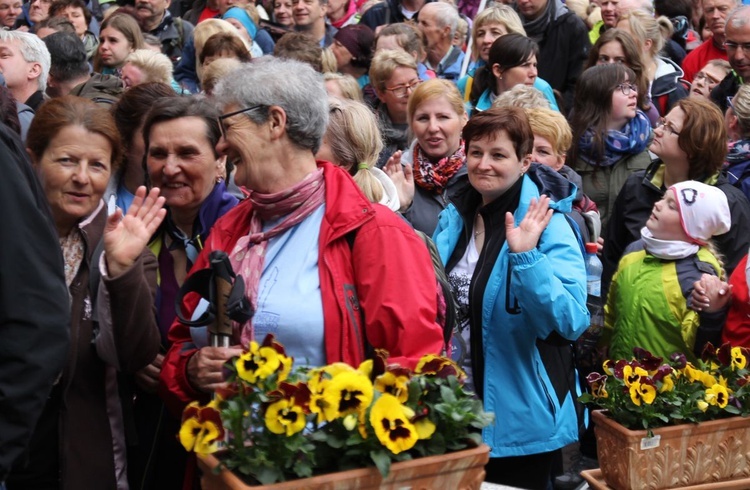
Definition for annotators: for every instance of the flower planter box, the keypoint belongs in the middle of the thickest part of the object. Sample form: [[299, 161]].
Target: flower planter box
[[689, 455], [461, 470]]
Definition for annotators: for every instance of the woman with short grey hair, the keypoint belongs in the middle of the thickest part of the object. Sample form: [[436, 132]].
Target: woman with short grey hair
[[329, 273]]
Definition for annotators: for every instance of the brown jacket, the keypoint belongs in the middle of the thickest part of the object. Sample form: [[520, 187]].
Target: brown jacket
[[85, 445]]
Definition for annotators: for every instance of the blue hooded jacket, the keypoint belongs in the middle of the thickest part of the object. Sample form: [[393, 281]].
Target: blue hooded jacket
[[530, 298]]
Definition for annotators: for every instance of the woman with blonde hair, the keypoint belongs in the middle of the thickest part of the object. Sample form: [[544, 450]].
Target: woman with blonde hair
[[119, 36], [393, 76], [352, 142], [342, 86], [662, 74], [433, 170], [144, 65]]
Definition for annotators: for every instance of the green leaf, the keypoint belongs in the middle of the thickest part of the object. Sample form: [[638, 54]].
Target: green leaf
[[267, 475], [447, 395], [383, 461]]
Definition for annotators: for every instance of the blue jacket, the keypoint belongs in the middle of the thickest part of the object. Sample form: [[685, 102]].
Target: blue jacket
[[547, 296], [484, 102]]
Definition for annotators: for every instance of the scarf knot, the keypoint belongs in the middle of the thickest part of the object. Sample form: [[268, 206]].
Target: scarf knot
[[293, 205]]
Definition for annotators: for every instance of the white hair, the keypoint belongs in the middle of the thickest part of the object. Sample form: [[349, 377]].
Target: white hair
[[446, 15], [33, 50], [292, 85]]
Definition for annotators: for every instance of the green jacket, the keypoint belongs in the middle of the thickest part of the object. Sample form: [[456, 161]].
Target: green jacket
[[647, 305], [602, 184]]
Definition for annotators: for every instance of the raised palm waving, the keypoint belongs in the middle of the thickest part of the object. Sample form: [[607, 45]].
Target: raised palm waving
[[125, 237]]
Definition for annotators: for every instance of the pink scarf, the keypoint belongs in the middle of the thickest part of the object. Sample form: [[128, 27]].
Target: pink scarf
[[248, 255]]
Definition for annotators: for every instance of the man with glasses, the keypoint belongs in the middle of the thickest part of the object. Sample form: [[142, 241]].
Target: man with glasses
[[709, 77], [737, 44], [715, 13]]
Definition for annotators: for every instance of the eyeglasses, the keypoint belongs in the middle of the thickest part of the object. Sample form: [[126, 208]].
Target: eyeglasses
[[626, 88], [402, 91], [666, 126], [729, 102], [706, 77], [223, 117], [733, 46]]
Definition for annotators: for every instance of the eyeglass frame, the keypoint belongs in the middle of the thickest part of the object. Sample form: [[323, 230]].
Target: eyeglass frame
[[221, 118], [729, 102], [705, 76], [666, 126], [415, 83], [630, 87], [733, 46]]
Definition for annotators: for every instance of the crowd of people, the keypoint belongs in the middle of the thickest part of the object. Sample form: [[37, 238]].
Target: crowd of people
[[322, 144]]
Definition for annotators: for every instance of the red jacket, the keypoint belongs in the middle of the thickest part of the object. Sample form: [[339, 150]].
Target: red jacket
[[387, 272], [737, 327]]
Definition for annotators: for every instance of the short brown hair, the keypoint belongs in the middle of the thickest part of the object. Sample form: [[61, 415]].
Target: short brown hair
[[225, 42], [490, 123], [703, 137], [58, 6], [300, 47], [69, 110]]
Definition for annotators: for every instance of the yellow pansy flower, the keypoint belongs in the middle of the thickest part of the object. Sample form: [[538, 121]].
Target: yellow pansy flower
[[390, 420]]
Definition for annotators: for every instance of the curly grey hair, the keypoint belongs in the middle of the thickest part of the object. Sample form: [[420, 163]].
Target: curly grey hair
[[292, 85]]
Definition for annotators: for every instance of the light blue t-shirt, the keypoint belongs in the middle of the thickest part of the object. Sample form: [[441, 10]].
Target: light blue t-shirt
[[290, 304]]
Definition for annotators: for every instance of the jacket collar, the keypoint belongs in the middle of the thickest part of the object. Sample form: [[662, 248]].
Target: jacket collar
[[346, 207]]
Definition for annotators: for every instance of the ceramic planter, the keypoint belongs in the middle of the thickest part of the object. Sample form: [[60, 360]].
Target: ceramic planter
[[688, 455], [461, 470]]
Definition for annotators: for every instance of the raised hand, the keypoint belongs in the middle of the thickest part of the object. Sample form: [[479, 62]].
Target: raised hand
[[525, 236], [403, 177], [125, 237]]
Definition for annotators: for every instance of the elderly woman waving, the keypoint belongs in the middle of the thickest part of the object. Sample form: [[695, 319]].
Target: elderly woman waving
[[319, 276], [518, 275], [79, 441]]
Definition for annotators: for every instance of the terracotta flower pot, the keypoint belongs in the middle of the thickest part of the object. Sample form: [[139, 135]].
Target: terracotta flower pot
[[688, 455], [462, 470]]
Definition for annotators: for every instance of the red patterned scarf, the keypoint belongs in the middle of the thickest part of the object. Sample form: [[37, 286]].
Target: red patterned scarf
[[435, 176]]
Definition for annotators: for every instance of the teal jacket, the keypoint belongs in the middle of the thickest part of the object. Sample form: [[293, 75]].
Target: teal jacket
[[529, 297], [484, 101]]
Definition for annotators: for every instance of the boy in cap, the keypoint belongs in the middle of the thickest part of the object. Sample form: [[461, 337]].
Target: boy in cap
[[648, 302]]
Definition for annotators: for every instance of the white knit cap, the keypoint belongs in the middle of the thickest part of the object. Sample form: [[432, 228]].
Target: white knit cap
[[704, 211]]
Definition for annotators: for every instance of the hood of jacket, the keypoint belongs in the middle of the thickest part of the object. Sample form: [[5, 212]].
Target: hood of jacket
[[668, 75], [561, 191]]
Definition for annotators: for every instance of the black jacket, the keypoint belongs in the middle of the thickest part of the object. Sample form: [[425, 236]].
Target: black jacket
[[633, 207], [34, 305], [727, 88], [562, 53], [388, 12]]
